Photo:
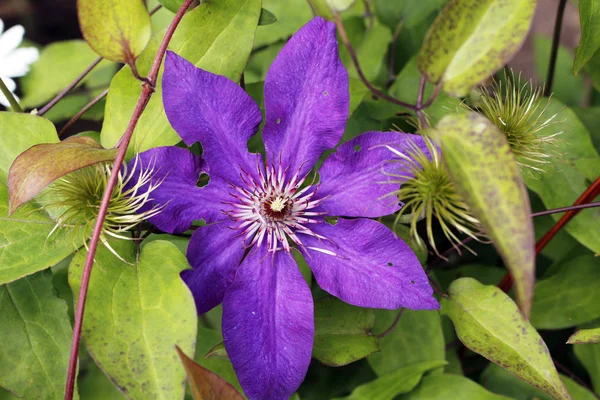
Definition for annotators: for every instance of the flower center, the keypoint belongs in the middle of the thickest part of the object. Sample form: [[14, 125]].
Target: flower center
[[274, 209]]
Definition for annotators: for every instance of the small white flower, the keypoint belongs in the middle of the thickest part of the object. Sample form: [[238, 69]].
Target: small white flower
[[14, 62]]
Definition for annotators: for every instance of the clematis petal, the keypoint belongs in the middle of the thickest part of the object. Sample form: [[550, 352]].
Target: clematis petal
[[17, 63], [364, 264], [214, 253], [268, 327], [176, 171], [215, 111], [11, 85], [356, 179], [306, 98], [11, 39]]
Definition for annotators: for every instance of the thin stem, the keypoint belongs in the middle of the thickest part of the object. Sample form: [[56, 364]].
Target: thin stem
[[81, 112], [419, 110], [71, 85], [590, 193], [392, 64], [14, 104], [555, 43], [375, 91], [565, 209], [147, 91], [391, 328]]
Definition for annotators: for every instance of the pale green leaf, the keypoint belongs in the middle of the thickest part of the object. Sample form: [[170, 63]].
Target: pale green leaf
[[291, 16], [118, 30], [418, 337], [227, 31], [171, 5], [447, 386], [342, 332], [585, 336], [569, 297], [569, 173], [589, 42], [390, 385], [485, 172], [136, 313], [408, 12], [470, 39], [488, 322], [36, 338]]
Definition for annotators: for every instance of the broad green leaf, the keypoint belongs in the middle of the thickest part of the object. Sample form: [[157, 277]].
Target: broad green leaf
[[25, 241], [417, 338], [118, 30], [488, 322], [390, 385], [94, 385], [342, 332], [569, 173], [567, 88], [470, 39], [258, 65], [171, 5], [206, 384], [207, 339], [326, 8], [227, 31], [499, 380], [486, 274], [590, 117], [485, 172], [570, 296], [446, 386], [36, 338], [407, 12], [59, 64], [589, 43], [18, 132], [70, 105], [36, 168], [589, 356], [136, 313], [340, 5], [291, 16], [266, 17], [584, 336]]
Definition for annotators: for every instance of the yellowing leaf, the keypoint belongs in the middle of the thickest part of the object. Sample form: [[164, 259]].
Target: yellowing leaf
[[585, 336], [485, 172], [118, 30]]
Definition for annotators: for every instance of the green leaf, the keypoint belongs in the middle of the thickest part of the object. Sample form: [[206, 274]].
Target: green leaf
[[25, 240], [589, 356], [291, 15], [36, 338], [94, 385], [485, 172], [59, 64], [470, 39], [390, 385], [589, 43], [408, 12], [40, 165], [417, 338], [585, 336], [118, 30], [206, 384], [570, 296], [342, 332], [340, 5], [18, 132], [207, 339], [135, 315], [266, 17], [489, 323], [499, 380], [569, 174], [171, 5], [446, 386], [227, 31], [567, 88]]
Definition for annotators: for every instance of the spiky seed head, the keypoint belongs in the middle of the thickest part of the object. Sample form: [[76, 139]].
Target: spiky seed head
[[77, 198], [520, 111], [426, 192]]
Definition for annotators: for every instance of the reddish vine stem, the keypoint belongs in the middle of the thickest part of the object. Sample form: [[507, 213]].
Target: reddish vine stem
[[66, 90], [392, 326], [590, 193], [85, 109], [147, 90]]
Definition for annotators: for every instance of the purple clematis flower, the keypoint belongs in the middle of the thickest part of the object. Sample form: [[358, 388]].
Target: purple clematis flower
[[256, 212]]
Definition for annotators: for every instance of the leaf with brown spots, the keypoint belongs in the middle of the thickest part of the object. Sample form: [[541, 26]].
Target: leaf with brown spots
[[207, 385], [485, 172], [488, 322], [471, 39], [118, 30], [585, 336], [42, 164]]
